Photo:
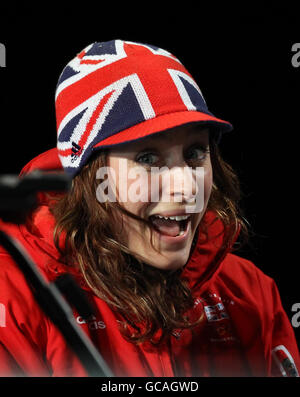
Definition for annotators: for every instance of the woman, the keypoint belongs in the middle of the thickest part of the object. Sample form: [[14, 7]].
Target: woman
[[147, 230]]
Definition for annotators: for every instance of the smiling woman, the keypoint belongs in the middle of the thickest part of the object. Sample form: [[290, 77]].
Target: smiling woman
[[178, 152], [116, 234], [155, 257]]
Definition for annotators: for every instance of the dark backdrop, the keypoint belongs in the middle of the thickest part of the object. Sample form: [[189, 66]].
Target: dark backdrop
[[241, 59]]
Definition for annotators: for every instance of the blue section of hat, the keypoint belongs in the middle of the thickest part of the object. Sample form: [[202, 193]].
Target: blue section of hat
[[195, 97], [67, 131], [66, 74], [125, 113], [104, 48]]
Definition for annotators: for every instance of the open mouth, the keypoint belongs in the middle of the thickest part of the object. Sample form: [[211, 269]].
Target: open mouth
[[173, 226]]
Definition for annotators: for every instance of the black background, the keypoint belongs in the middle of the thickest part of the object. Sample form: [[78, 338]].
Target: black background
[[241, 59]]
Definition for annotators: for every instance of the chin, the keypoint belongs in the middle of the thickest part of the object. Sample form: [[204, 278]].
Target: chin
[[169, 261]]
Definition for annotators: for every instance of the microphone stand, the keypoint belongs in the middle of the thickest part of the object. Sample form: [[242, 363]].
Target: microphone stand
[[47, 294]]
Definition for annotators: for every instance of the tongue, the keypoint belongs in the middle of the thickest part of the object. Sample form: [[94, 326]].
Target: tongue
[[166, 226]]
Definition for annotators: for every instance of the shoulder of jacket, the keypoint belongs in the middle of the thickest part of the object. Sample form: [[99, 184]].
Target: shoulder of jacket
[[14, 289], [244, 270], [247, 283], [21, 318]]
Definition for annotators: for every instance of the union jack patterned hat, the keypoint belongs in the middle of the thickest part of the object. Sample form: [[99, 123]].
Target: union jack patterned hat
[[119, 91]]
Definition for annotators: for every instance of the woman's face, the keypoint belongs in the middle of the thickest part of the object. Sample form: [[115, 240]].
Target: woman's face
[[157, 178]]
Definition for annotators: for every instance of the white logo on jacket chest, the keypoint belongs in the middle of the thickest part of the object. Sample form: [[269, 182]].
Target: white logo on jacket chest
[[213, 307], [216, 312], [217, 316], [93, 323]]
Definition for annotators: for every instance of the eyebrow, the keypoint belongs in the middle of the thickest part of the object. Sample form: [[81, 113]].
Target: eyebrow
[[161, 136], [150, 148], [167, 135], [164, 137]]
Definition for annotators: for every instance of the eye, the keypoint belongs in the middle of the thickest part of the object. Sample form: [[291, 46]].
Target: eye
[[196, 152], [148, 158]]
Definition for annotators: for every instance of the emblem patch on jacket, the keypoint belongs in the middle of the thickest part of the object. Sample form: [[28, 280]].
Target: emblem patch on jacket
[[217, 317], [215, 312]]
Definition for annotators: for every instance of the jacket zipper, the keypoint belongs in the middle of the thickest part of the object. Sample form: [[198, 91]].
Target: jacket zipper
[[166, 360]]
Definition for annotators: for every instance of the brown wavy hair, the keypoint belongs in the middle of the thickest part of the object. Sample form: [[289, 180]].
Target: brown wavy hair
[[151, 302]]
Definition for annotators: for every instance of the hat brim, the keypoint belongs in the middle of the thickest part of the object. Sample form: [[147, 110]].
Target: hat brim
[[162, 123]]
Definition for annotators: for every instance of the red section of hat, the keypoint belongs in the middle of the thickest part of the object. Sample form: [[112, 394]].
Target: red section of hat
[[151, 70]]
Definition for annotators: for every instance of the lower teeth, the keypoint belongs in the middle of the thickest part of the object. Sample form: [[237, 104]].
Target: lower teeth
[[182, 229]]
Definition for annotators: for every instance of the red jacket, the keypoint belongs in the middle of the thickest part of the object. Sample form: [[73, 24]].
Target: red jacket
[[245, 331]]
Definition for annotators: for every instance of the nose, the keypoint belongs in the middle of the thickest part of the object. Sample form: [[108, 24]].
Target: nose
[[184, 185]]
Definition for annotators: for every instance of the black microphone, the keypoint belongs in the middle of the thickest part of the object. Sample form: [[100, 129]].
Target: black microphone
[[18, 195]]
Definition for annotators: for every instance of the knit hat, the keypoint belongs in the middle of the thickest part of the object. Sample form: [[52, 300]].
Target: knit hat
[[119, 91]]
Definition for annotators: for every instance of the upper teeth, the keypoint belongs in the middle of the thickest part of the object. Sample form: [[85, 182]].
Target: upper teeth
[[174, 218]]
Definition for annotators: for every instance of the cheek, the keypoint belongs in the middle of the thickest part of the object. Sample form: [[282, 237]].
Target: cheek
[[202, 192], [138, 188], [131, 183], [133, 194], [208, 182]]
